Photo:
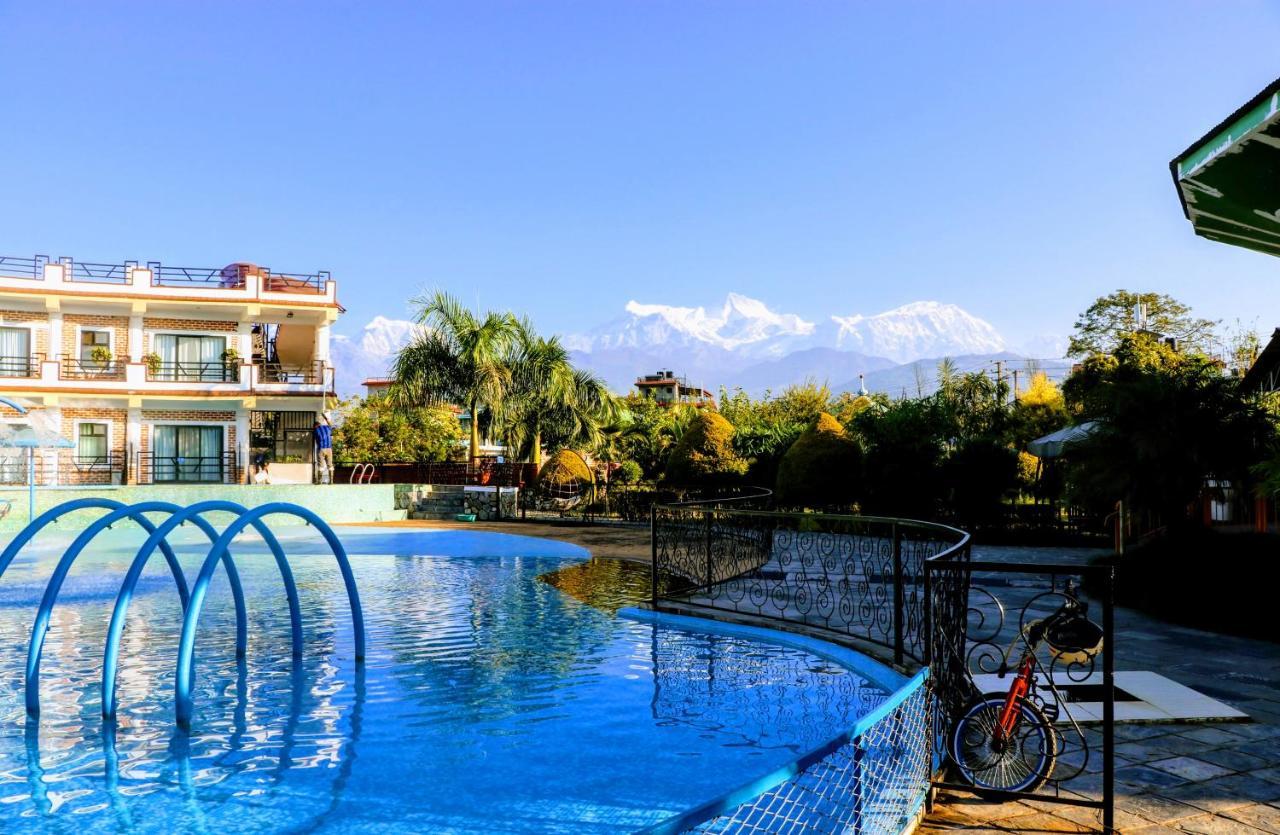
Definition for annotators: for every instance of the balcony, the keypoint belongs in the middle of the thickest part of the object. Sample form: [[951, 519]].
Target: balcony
[[21, 366], [81, 369], [269, 373], [213, 371]]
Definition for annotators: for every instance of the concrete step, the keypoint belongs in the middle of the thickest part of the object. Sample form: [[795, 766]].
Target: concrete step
[[432, 516]]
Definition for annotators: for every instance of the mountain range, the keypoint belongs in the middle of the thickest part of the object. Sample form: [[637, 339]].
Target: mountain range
[[743, 343]]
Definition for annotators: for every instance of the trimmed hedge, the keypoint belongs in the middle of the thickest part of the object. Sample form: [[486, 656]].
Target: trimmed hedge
[[704, 455], [822, 468]]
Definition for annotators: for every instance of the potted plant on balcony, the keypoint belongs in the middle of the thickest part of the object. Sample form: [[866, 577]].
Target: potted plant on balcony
[[152, 361], [231, 356]]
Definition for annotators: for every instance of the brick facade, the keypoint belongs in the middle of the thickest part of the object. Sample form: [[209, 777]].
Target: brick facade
[[77, 471], [153, 325], [39, 333], [118, 325]]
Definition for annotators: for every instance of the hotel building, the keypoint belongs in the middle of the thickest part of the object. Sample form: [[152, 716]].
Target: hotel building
[[160, 374]]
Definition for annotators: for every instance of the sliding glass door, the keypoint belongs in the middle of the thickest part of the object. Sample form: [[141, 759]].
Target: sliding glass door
[[187, 453], [192, 357]]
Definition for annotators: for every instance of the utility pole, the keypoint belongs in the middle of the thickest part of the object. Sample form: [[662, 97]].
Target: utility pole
[[999, 377]]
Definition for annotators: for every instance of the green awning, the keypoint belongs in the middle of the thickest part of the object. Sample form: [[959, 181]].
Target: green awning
[[1229, 181]]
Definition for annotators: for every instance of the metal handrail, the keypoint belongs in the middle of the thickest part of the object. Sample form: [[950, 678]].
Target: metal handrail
[[274, 282], [164, 276], [84, 272], [17, 267], [21, 366], [214, 371], [276, 372], [203, 469], [73, 368]]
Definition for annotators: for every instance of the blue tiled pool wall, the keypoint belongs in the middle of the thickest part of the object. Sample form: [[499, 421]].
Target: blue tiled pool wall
[[871, 779]]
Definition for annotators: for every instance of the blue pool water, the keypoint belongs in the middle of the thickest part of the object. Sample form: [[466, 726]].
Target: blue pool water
[[490, 701]]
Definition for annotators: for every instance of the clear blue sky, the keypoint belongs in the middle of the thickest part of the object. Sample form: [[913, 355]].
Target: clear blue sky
[[562, 158]]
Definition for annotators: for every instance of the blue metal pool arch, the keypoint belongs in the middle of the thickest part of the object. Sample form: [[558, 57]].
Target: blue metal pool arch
[[158, 538], [192, 513], [185, 677]]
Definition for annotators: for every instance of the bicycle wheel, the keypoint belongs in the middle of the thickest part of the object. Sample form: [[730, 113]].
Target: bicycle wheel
[[1020, 762]]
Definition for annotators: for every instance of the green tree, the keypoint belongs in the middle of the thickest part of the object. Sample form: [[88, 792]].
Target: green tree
[[549, 400], [1038, 410], [1164, 434], [458, 357], [704, 456], [1110, 319], [822, 468], [373, 429]]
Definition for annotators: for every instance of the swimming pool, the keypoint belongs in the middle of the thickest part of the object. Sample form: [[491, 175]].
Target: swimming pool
[[490, 700]]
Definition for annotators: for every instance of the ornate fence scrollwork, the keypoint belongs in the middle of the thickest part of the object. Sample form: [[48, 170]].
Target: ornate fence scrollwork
[[907, 586]]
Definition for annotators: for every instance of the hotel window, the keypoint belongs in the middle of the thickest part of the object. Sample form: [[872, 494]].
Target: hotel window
[[15, 352], [193, 358], [91, 443]]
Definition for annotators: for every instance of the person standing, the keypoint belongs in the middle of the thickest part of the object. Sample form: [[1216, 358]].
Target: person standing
[[322, 435]]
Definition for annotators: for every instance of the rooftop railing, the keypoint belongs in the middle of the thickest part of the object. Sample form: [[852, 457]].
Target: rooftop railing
[[231, 277], [85, 272], [20, 267]]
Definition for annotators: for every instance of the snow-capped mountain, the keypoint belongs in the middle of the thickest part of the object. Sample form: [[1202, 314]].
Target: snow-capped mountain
[[741, 343], [371, 354], [742, 325], [916, 330]]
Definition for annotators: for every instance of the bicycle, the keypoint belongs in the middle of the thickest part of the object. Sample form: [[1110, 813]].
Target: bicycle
[[1006, 742]]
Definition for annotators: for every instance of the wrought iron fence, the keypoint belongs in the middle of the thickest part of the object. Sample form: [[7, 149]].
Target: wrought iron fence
[[214, 371], [153, 468], [65, 468], [90, 369], [984, 616], [21, 366], [857, 576], [913, 588]]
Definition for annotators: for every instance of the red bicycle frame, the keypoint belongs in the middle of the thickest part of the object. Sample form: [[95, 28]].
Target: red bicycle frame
[[1019, 688]]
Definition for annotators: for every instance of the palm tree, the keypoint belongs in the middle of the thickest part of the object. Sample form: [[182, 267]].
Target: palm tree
[[548, 397], [457, 357]]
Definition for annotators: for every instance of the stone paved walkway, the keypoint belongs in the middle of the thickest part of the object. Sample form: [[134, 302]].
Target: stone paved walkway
[[1185, 777]]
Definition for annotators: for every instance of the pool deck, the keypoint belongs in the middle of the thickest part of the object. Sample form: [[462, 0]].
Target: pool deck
[[1200, 777]]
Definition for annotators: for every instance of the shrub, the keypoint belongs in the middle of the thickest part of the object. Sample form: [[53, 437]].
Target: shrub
[[564, 467], [628, 472], [981, 473], [704, 455], [821, 468]]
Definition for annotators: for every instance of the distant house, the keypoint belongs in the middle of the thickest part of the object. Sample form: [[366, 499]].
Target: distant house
[[668, 389], [376, 385]]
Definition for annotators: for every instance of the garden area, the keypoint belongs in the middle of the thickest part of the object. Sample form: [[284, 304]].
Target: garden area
[[1163, 433]]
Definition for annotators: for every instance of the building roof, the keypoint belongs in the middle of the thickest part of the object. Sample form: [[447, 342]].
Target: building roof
[[1228, 181], [1264, 374]]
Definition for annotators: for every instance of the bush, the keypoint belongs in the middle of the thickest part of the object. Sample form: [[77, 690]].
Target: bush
[[628, 472], [704, 455], [564, 467], [981, 472], [822, 468]]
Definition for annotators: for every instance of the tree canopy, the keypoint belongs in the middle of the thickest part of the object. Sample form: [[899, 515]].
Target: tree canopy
[[704, 455], [457, 357], [1113, 318], [372, 429]]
